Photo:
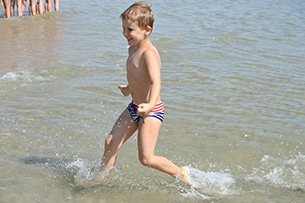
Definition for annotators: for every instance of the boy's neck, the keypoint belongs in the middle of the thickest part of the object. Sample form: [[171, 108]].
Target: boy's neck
[[143, 43]]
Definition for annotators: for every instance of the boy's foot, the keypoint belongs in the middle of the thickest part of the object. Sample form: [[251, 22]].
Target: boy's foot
[[90, 182], [92, 178], [184, 175]]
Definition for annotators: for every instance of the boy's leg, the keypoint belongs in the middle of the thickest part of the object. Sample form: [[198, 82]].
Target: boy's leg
[[123, 129], [147, 138]]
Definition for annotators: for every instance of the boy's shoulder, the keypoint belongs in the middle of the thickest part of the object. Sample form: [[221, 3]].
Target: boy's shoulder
[[151, 55], [151, 51]]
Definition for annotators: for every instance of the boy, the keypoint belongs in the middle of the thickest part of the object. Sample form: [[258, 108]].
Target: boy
[[145, 113]]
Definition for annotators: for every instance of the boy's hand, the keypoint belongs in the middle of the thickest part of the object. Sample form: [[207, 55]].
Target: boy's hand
[[144, 109], [124, 89]]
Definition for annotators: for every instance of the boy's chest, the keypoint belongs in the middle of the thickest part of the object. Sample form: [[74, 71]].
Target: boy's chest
[[134, 59], [136, 70], [134, 63]]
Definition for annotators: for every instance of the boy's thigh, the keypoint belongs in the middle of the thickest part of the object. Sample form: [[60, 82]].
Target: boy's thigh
[[148, 134], [123, 128]]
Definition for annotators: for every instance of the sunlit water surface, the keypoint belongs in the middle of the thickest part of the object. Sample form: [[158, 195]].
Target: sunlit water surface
[[233, 86]]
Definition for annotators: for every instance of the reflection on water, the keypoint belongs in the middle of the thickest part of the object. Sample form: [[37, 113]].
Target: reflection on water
[[28, 42]]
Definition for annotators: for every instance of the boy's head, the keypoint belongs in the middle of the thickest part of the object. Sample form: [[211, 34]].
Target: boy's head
[[140, 13]]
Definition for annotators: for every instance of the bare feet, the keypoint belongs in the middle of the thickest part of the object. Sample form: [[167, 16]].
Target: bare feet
[[184, 175]]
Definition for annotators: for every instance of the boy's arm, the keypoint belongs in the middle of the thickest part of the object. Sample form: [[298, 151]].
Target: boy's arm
[[125, 90]]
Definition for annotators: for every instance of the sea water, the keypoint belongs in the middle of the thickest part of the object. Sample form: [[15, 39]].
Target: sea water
[[232, 83]]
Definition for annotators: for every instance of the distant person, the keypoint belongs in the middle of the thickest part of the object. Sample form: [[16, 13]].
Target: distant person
[[32, 7], [56, 5], [39, 7], [7, 8], [18, 4], [23, 6], [49, 5]]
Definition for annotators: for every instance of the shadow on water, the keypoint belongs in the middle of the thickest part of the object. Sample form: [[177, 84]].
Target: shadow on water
[[73, 171], [29, 42]]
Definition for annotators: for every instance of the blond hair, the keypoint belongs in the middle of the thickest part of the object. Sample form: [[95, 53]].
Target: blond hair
[[141, 13]]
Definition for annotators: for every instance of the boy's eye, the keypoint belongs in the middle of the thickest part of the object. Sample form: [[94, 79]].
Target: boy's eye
[[129, 29]]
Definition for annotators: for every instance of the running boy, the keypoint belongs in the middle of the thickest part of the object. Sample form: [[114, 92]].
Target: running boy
[[145, 113]]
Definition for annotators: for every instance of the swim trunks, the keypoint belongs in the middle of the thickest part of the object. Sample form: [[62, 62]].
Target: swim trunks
[[157, 112]]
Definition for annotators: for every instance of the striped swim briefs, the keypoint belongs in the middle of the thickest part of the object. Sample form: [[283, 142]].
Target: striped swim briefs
[[157, 112]]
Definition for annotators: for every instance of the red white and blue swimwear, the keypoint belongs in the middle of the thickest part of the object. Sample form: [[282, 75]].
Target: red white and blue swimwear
[[157, 112]]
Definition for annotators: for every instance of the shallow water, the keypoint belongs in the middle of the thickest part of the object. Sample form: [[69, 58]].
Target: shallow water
[[233, 87]]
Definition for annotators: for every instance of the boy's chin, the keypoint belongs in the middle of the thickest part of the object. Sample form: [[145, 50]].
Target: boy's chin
[[130, 43]]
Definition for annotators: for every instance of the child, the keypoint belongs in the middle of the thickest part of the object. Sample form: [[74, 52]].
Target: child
[[145, 113]]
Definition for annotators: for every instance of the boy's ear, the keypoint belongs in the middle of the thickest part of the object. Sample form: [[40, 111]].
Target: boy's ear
[[148, 30]]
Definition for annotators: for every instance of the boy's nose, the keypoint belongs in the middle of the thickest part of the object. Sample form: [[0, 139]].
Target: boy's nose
[[125, 33]]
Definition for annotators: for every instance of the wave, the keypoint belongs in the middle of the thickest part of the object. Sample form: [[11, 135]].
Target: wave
[[26, 76], [231, 38], [207, 185], [289, 174]]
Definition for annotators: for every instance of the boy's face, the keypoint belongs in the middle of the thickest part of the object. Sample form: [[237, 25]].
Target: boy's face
[[133, 33]]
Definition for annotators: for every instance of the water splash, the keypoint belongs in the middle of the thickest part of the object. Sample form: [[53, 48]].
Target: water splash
[[24, 76], [28, 76], [208, 185], [81, 173], [85, 174], [288, 174]]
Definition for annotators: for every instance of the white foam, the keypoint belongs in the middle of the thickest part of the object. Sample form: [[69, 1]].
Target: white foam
[[27, 76], [24, 76], [9, 75], [288, 173], [210, 184], [86, 174]]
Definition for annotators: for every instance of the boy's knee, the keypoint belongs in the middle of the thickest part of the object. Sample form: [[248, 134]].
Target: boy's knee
[[145, 161]]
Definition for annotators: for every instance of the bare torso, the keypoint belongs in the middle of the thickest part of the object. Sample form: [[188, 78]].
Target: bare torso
[[138, 76]]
